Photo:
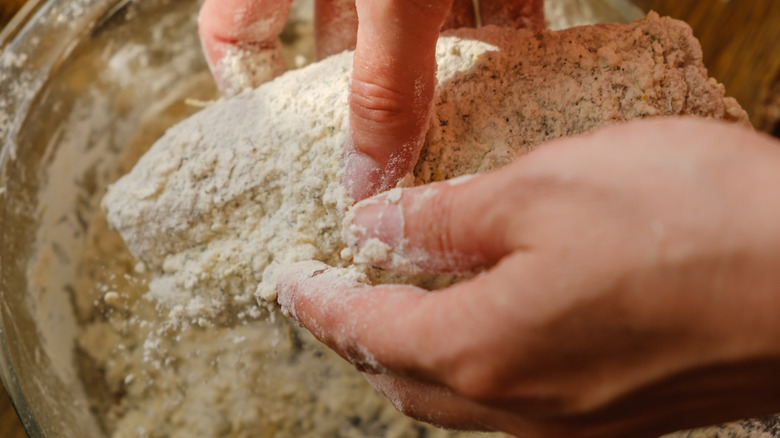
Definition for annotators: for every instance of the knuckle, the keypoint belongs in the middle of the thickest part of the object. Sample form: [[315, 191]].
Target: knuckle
[[444, 225], [408, 402], [243, 20], [376, 103], [481, 370], [462, 368], [478, 381], [434, 220], [539, 396]]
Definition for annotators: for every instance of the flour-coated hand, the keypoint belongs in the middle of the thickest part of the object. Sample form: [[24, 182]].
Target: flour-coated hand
[[629, 286]]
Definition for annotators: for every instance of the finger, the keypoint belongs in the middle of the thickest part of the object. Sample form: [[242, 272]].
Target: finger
[[439, 406], [402, 330], [456, 226], [391, 92], [335, 26], [321, 298], [518, 14], [239, 38]]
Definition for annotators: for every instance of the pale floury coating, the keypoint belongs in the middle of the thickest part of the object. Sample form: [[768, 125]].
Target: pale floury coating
[[253, 183]]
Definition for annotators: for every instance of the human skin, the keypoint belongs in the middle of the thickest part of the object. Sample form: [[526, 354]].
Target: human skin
[[394, 67], [393, 76], [629, 283], [629, 286]]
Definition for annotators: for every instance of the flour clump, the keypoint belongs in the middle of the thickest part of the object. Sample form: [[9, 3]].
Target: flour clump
[[227, 198]]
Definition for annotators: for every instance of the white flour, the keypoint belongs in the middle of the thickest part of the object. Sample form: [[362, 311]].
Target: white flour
[[213, 222], [254, 182]]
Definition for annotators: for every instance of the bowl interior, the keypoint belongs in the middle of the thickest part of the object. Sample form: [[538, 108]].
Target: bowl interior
[[78, 82]]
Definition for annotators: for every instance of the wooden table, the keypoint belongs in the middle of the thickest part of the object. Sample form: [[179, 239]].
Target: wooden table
[[740, 41], [10, 427], [9, 422], [741, 44]]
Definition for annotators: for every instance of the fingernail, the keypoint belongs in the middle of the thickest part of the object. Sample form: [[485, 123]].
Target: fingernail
[[362, 174], [374, 228]]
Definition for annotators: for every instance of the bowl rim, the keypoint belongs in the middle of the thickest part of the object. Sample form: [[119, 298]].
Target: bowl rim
[[20, 23], [34, 44]]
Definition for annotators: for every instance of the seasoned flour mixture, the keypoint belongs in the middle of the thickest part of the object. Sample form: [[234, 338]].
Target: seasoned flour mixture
[[253, 182]]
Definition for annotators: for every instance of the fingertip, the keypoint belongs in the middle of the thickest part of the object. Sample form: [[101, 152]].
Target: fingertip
[[291, 286], [380, 218], [243, 20], [239, 39], [363, 175], [307, 290], [443, 227], [374, 231], [363, 324]]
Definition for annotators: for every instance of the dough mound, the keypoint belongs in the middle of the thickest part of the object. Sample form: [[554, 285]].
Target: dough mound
[[253, 182]]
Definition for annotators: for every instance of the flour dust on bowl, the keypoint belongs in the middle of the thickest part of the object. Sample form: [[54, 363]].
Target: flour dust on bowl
[[86, 87]]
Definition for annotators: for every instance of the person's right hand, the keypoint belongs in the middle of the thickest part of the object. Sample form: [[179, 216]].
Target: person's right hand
[[394, 68], [631, 287]]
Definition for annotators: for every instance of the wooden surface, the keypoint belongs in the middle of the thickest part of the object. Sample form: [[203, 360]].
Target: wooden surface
[[10, 427], [7, 10], [9, 422], [741, 43]]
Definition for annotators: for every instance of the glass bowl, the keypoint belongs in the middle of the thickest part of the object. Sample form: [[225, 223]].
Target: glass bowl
[[85, 87], [77, 80]]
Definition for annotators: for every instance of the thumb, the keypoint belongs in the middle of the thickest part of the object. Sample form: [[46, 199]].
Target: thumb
[[239, 38], [455, 227], [399, 330], [391, 93]]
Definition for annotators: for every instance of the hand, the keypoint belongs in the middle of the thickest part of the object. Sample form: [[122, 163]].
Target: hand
[[631, 287], [393, 72]]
